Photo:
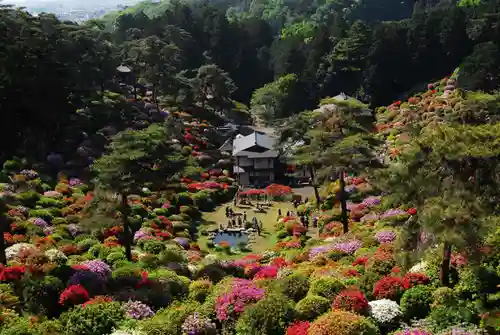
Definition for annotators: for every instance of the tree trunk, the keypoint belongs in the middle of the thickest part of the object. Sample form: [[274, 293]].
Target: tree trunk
[[445, 264], [343, 203], [125, 209], [102, 89], [315, 187]]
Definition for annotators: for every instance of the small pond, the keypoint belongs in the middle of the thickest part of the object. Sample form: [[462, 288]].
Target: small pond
[[233, 238]]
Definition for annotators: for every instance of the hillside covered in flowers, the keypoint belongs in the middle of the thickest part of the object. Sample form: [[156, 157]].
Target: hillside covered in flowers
[[407, 246]]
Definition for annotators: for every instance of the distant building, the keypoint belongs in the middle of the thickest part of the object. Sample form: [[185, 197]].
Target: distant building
[[255, 158], [344, 97]]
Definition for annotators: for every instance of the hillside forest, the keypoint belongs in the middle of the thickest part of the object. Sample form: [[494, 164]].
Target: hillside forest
[[113, 189]]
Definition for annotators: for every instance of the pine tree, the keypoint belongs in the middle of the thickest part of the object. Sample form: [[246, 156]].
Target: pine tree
[[135, 159], [447, 173]]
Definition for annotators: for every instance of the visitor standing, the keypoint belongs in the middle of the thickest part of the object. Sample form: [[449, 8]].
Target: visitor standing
[[245, 216], [288, 213], [279, 211]]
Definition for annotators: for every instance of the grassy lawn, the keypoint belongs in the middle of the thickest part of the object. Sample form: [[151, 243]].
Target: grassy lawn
[[268, 235]]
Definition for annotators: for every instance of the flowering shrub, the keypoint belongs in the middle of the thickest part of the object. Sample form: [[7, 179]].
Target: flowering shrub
[[385, 236], [413, 279], [99, 318], [137, 310], [98, 299], [270, 315], [98, 267], [360, 261], [199, 289], [267, 272], [351, 301], [388, 288], [326, 287], [385, 311], [414, 331], [198, 325], [242, 293], [348, 247], [294, 286], [73, 295], [311, 307], [11, 273], [342, 323], [416, 302], [298, 328]]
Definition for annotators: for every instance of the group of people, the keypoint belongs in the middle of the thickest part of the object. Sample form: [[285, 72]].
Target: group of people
[[305, 219], [237, 220]]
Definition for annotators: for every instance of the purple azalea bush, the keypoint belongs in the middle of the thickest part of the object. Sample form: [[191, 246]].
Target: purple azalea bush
[[74, 229], [49, 230], [243, 292], [320, 250], [385, 236], [139, 234], [183, 242], [98, 267], [74, 182], [196, 324], [348, 247], [370, 217], [393, 212], [40, 223], [137, 310], [371, 201]]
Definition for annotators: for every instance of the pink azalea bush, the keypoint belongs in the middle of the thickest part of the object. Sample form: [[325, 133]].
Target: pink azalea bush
[[243, 292]]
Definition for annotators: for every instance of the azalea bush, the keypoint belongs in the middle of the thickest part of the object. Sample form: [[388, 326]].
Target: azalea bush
[[231, 304], [351, 301], [416, 302], [342, 323], [326, 287], [271, 315], [311, 307]]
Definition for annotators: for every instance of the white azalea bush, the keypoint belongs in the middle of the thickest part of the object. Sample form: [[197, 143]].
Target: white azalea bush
[[56, 256], [418, 268], [12, 252], [385, 311]]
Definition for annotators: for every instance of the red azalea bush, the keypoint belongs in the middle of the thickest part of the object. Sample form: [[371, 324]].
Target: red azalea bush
[[276, 190], [413, 279], [360, 261], [351, 301], [389, 288], [12, 273], [98, 299], [279, 262], [73, 295], [298, 328], [267, 272], [352, 273]]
